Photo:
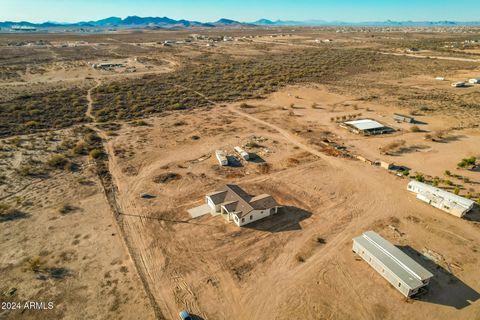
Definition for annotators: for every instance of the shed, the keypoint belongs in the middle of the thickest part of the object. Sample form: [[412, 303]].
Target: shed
[[403, 118], [244, 154], [403, 273], [441, 199], [222, 159]]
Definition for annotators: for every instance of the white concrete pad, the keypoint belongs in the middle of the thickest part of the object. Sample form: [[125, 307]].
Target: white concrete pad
[[199, 211]]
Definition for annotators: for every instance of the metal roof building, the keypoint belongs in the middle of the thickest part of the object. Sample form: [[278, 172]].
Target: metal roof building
[[441, 199], [367, 127], [403, 273]]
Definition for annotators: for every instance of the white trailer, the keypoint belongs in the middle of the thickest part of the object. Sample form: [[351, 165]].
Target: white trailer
[[403, 273], [441, 199], [222, 159], [474, 81], [244, 154]]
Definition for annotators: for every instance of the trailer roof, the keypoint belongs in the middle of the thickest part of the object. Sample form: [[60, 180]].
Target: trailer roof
[[404, 267]]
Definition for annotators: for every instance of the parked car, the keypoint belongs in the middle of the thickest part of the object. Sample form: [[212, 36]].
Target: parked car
[[184, 315]]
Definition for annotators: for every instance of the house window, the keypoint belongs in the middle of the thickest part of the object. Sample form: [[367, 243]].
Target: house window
[[243, 220], [399, 284], [251, 217]]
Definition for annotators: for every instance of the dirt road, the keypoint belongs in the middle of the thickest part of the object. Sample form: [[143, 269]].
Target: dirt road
[[110, 191], [287, 135], [429, 57]]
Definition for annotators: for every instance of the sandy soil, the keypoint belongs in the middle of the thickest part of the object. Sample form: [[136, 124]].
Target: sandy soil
[[64, 246], [295, 265], [278, 267]]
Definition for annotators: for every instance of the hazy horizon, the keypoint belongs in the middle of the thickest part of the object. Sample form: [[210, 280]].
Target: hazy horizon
[[247, 10]]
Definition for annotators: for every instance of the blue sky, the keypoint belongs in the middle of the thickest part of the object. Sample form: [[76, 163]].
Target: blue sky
[[243, 10]]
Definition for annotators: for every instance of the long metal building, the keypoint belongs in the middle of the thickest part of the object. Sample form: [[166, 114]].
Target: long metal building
[[403, 273], [441, 199]]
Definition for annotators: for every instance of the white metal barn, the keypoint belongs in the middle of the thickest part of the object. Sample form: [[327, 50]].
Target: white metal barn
[[441, 199], [238, 206], [222, 159], [367, 127], [403, 273], [244, 154]]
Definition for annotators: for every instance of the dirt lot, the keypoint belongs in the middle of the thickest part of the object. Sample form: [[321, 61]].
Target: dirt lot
[[76, 230]]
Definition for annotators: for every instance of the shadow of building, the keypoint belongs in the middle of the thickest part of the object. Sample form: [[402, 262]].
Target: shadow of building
[[287, 218], [444, 288]]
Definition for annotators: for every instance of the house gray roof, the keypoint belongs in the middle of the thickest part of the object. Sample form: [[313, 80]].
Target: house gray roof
[[404, 267], [235, 199], [263, 201]]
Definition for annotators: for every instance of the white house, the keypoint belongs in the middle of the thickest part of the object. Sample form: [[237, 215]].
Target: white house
[[441, 199], [238, 206]]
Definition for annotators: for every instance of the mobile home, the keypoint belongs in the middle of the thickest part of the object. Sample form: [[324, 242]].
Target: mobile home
[[401, 271], [441, 199]]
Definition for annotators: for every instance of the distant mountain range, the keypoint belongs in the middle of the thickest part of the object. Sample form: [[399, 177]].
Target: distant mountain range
[[165, 22]]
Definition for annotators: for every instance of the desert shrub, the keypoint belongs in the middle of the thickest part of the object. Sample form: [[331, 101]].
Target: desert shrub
[[419, 177], [468, 162], [95, 154], [246, 106], [167, 177], [415, 129], [80, 148], [456, 190], [392, 146], [57, 161], [49, 110], [448, 173]]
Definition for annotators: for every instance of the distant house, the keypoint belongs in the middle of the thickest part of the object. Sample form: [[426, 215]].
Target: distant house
[[402, 118], [244, 154], [474, 81], [367, 127], [441, 199], [238, 206], [440, 78], [403, 273], [413, 50]]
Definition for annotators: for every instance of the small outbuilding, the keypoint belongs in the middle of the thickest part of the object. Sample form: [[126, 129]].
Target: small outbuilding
[[441, 199], [403, 118], [244, 154], [403, 273], [222, 159]]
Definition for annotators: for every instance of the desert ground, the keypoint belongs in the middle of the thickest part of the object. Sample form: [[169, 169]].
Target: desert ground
[[80, 146]]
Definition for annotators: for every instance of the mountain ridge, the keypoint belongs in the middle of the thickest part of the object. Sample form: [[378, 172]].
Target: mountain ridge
[[136, 21]]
